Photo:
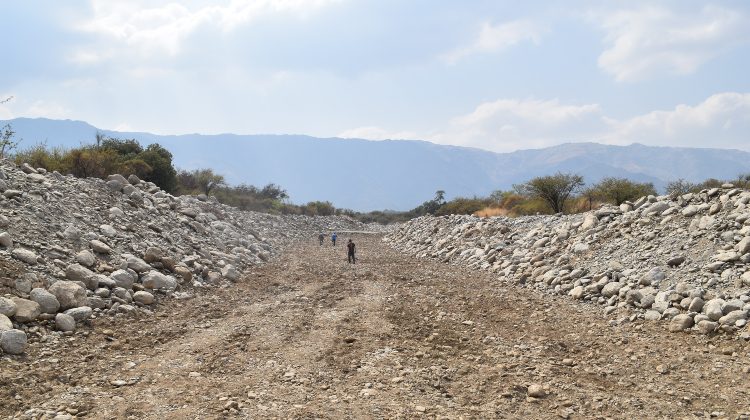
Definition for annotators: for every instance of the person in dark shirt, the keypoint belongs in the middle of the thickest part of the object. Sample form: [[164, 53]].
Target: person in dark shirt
[[350, 254], [320, 237]]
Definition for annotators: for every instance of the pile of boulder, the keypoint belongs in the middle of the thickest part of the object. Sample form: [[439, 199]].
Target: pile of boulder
[[685, 259], [75, 249]]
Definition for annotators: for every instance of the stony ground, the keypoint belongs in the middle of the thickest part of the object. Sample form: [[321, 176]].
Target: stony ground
[[309, 336]]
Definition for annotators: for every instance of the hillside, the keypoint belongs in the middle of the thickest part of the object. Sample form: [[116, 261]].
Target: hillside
[[398, 174]]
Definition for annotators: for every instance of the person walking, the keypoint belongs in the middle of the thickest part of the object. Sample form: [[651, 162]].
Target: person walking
[[333, 238], [321, 237], [350, 252]]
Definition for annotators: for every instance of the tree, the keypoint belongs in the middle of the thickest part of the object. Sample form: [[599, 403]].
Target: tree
[[186, 182], [591, 194], [162, 173], [620, 190], [6, 139], [100, 137], [432, 206], [207, 180], [274, 192], [554, 190], [497, 196]]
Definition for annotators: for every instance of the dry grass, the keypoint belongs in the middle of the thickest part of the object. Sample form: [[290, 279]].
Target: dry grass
[[581, 205], [492, 211]]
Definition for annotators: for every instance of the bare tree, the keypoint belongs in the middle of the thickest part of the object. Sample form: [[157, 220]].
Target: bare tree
[[6, 135], [7, 143]]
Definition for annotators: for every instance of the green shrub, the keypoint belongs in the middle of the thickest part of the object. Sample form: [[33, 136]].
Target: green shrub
[[620, 190], [39, 156]]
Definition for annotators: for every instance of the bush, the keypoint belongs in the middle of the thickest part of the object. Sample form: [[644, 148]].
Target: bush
[[162, 173], [742, 181], [463, 205], [682, 186], [318, 208], [512, 204], [40, 156], [89, 161], [110, 156], [708, 184], [268, 199], [620, 190], [127, 149], [135, 167], [531, 206], [200, 181]]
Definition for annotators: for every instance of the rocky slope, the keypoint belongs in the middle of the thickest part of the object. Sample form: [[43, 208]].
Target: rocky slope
[[76, 249], [683, 259]]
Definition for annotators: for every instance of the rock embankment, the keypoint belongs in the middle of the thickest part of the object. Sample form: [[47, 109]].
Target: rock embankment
[[74, 249], [684, 259]]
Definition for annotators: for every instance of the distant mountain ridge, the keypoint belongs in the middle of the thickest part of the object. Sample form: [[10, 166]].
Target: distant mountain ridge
[[397, 174]]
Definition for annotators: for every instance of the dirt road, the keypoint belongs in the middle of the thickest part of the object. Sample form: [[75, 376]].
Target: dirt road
[[309, 336]]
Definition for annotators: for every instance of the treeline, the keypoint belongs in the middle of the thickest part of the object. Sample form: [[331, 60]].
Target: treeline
[[558, 193], [561, 193], [107, 156]]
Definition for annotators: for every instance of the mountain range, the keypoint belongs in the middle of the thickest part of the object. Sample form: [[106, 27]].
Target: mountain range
[[396, 174]]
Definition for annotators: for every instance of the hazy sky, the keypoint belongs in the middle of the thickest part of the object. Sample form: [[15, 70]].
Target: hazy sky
[[498, 75]]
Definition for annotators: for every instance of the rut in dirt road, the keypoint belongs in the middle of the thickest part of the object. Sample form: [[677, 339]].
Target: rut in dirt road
[[310, 336]]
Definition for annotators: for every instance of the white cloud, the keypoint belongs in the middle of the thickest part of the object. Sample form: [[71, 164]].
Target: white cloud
[[123, 127], [510, 124], [377, 133], [550, 111], [495, 38], [6, 113], [47, 109], [18, 106], [722, 120], [162, 28], [652, 41], [5, 102]]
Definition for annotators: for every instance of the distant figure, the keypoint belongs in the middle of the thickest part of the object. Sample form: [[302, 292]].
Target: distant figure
[[333, 238], [350, 254], [320, 237]]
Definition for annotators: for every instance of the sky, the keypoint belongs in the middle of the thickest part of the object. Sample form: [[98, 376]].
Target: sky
[[497, 75]]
